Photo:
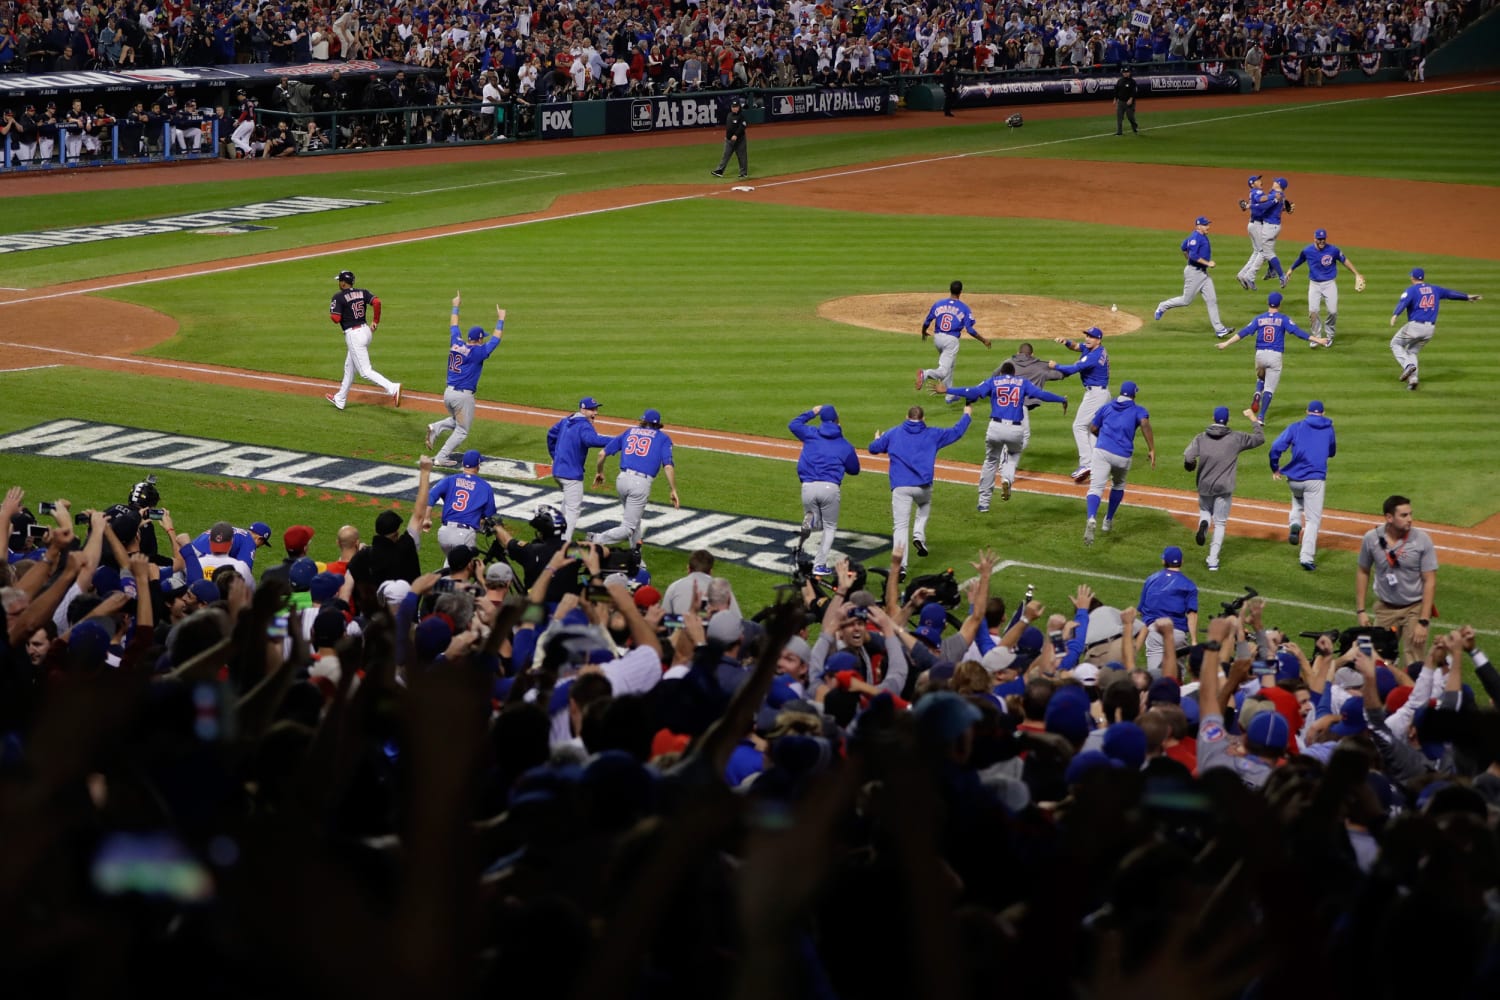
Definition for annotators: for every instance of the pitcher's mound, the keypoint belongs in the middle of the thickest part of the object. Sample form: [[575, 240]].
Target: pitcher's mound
[[1010, 317]]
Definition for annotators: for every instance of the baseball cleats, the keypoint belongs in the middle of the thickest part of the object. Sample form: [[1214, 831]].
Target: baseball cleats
[[1309, 566], [1406, 373], [822, 571], [1293, 534], [1221, 334], [984, 508], [1004, 490], [1202, 535], [1250, 285], [445, 463], [334, 400], [921, 378], [920, 546], [397, 395], [1412, 385], [1281, 278], [1079, 474], [1254, 408], [1213, 567], [430, 439], [1244, 281], [1107, 526], [1158, 314], [1088, 532], [717, 173], [743, 176]]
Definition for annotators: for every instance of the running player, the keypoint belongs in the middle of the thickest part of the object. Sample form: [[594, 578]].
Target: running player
[[357, 312]]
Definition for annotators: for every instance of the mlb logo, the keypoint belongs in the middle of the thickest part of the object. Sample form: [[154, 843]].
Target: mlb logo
[[640, 116], [783, 106]]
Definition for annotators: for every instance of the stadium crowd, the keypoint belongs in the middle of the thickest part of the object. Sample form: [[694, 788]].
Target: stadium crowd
[[245, 763]]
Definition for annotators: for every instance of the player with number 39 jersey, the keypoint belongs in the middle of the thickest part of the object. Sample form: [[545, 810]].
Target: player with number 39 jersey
[[644, 451]]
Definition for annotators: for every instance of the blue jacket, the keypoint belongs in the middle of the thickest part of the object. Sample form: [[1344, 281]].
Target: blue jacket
[[1115, 424], [1312, 443], [1167, 594], [913, 448], [569, 441], [826, 455]]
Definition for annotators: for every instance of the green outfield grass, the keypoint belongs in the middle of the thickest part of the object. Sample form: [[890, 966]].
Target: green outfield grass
[[706, 309]]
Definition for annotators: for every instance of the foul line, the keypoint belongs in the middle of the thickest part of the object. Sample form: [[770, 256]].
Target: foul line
[[32, 368], [532, 176], [1095, 574], [378, 244]]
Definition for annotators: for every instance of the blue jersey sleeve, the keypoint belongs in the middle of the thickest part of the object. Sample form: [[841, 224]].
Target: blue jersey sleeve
[[973, 393], [1278, 447], [1296, 331], [1032, 392], [1448, 293], [665, 443], [1302, 258], [615, 443]]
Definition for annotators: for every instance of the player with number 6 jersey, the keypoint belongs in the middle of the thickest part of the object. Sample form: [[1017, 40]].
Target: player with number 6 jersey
[[948, 319], [466, 500], [644, 452], [357, 312], [1005, 440]]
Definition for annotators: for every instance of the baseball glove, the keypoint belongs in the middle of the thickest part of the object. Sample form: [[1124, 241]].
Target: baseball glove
[[1359, 283], [1290, 207], [1015, 120], [1244, 205]]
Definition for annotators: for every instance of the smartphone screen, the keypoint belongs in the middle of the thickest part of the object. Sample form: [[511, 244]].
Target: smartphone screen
[[46, 507], [277, 628], [671, 622], [156, 865]]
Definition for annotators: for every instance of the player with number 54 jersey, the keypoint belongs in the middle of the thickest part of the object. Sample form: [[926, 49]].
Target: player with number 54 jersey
[[1006, 438]]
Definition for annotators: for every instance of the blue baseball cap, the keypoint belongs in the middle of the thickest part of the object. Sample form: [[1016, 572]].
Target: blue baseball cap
[[1274, 299], [476, 333], [325, 586], [1269, 730], [1253, 179], [1351, 718], [206, 591], [1171, 555], [1281, 182], [588, 403], [472, 458], [261, 528], [1418, 273], [829, 415], [1094, 332], [1221, 414], [1320, 234], [1129, 389], [1203, 220], [1316, 406], [651, 417]]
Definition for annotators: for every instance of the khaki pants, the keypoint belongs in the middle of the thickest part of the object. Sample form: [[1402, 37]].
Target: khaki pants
[[1402, 618]]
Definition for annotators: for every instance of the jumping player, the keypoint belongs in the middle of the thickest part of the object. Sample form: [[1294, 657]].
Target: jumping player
[[949, 319], [1004, 441], [1255, 203], [1323, 260], [1269, 329], [1092, 369], [357, 312], [1420, 303], [1195, 277], [1271, 228], [644, 451], [465, 365]]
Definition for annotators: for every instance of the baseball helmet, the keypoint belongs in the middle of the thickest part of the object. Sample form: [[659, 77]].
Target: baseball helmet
[[548, 520], [1015, 120], [346, 276]]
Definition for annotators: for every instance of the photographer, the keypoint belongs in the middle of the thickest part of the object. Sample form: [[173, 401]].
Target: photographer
[[1404, 563], [536, 556]]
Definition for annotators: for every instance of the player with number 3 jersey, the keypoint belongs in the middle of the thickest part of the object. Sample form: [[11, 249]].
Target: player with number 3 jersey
[[466, 499], [644, 451]]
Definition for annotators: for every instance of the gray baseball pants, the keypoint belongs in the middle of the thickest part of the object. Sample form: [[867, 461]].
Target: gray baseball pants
[[1320, 293], [1270, 362], [453, 533], [1195, 283], [1108, 470], [820, 504], [1004, 442], [1409, 341], [1094, 397], [902, 499], [1214, 509], [1155, 649], [572, 491], [460, 404], [947, 346], [1307, 509], [634, 489]]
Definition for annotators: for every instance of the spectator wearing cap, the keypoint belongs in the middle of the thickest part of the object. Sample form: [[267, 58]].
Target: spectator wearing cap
[[392, 552], [220, 541], [1168, 593], [498, 579], [1215, 455], [913, 448], [465, 500], [463, 565], [1114, 428], [295, 540], [826, 457], [568, 444], [644, 451], [1312, 443]]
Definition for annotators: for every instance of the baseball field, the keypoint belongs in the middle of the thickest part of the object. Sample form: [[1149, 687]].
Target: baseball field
[[632, 275]]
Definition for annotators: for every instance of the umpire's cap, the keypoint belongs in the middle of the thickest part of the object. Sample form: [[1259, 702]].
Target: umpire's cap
[[734, 102], [346, 276]]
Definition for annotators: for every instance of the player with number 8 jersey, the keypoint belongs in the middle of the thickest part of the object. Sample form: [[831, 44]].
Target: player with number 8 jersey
[[644, 451]]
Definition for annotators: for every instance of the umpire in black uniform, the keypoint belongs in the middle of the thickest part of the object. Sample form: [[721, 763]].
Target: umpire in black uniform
[[734, 140], [1125, 91], [949, 75]]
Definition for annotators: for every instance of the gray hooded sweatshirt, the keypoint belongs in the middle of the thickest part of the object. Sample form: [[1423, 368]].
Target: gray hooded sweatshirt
[[1215, 454]]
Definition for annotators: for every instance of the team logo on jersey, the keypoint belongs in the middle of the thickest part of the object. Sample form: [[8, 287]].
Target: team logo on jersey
[[1211, 733]]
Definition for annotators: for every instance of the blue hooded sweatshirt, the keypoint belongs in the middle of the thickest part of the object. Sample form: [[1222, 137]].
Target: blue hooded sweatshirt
[[826, 455], [570, 448], [913, 448], [1116, 422], [1312, 444]]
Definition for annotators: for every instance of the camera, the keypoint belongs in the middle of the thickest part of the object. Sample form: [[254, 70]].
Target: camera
[[446, 585], [38, 532], [80, 519], [487, 525], [1234, 607]]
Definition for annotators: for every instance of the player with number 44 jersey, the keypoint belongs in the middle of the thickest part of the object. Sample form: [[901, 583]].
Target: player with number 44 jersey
[[1420, 303], [644, 452]]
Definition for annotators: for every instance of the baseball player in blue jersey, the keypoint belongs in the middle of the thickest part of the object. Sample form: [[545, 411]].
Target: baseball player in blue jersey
[[1195, 277], [568, 442], [827, 457], [1005, 440], [1092, 369], [1114, 427], [1323, 260], [357, 312], [948, 319], [1420, 303], [913, 448], [644, 451], [465, 364], [1255, 204], [1168, 593], [466, 499], [1271, 228], [242, 546], [1312, 443], [1269, 329]]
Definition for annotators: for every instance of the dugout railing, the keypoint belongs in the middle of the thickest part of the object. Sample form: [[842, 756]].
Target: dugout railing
[[412, 126]]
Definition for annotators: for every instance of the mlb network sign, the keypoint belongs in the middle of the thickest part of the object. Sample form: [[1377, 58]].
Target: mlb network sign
[[753, 542]]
